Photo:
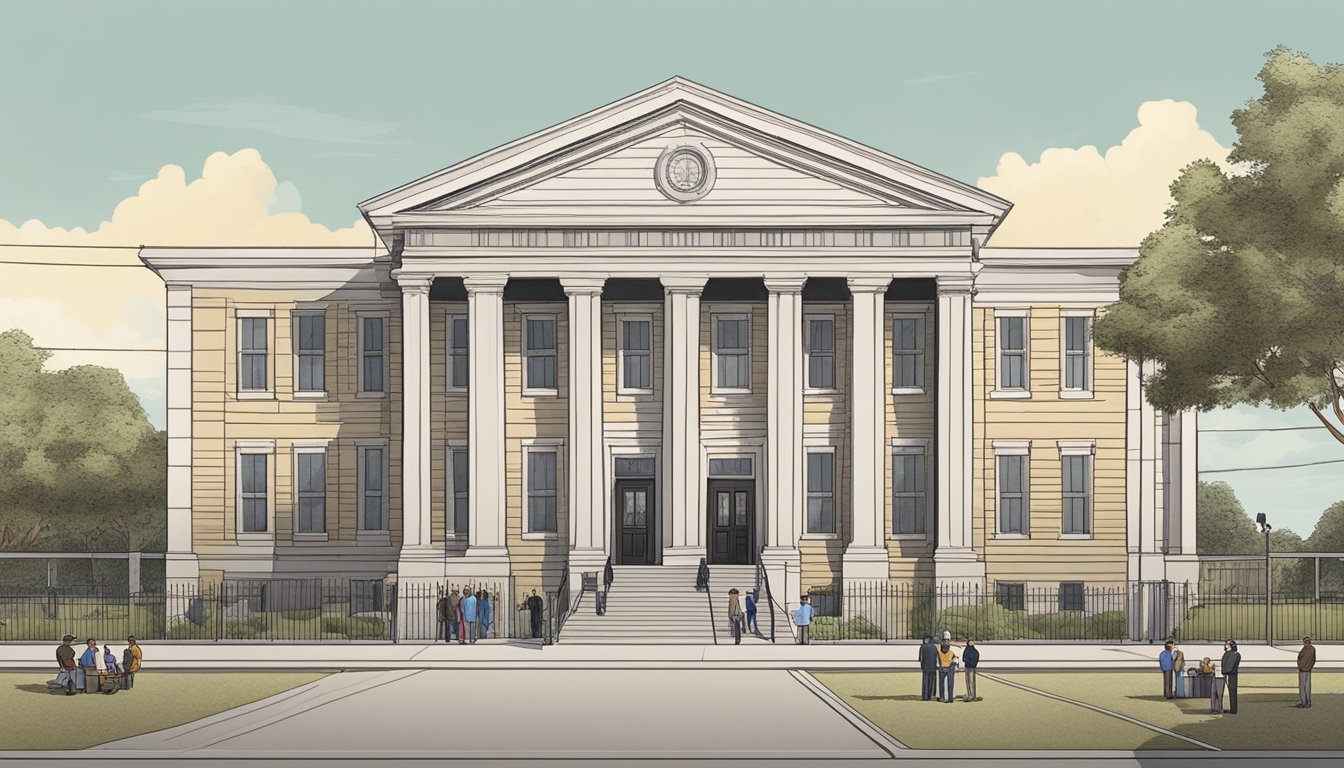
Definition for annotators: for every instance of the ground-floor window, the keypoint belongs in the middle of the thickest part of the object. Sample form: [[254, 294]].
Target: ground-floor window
[[372, 488], [1071, 596], [310, 490], [1011, 596], [252, 476], [542, 486], [821, 490], [459, 510]]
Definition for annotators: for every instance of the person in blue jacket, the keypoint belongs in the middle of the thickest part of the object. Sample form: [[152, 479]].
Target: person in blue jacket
[[971, 655], [485, 613]]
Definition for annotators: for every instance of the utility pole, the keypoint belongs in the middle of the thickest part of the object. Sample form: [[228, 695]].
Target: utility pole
[[1262, 523]]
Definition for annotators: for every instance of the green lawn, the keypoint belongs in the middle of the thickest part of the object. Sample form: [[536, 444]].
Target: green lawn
[[1247, 621], [1006, 718], [38, 718]]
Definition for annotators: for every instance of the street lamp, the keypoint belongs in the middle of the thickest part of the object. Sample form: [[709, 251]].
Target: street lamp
[[1262, 525]]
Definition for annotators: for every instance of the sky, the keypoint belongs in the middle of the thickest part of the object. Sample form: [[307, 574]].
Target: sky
[[248, 123]]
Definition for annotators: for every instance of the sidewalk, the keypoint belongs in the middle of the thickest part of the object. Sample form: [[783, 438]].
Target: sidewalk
[[1063, 657]]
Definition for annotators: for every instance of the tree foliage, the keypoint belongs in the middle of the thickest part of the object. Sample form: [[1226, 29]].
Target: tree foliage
[[1240, 295], [77, 453]]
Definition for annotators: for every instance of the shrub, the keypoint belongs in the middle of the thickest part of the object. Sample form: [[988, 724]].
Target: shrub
[[305, 615], [354, 627], [986, 622]]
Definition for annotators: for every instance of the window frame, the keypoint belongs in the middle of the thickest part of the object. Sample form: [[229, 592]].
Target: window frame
[[1080, 599], [529, 448], [450, 347], [809, 494], [296, 318], [622, 388], [809, 352], [451, 491], [1003, 450], [1087, 452], [1000, 391], [267, 316], [361, 353], [716, 386], [1087, 353], [264, 448], [310, 449], [361, 491], [910, 447], [528, 354], [1015, 592], [920, 353]]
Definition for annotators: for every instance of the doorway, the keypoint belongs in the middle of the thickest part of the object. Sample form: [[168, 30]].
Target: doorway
[[635, 516], [732, 518]]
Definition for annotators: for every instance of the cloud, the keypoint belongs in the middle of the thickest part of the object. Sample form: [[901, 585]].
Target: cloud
[[263, 113], [926, 79], [1081, 197], [236, 201]]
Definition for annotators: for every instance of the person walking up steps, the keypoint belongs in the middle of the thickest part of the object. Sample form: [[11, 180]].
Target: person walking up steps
[[735, 615]]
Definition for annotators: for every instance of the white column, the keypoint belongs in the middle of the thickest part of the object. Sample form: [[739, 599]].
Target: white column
[[181, 564], [683, 490], [866, 555], [486, 550], [418, 560], [955, 560], [588, 539], [785, 489]]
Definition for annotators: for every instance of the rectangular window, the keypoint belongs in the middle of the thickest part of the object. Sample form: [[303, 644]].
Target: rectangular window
[[634, 466], [371, 354], [458, 341], [738, 467], [253, 347], [252, 481], [541, 491], [310, 351], [1013, 480], [459, 493], [310, 491], [539, 352], [636, 355], [1077, 351], [908, 491], [821, 491], [732, 353], [907, 349], [1077, 495], [1011, 596], [1071, 596], [1013, 352], [820, 347], [372, 488]]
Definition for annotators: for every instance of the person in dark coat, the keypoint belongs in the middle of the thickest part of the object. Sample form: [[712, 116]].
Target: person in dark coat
[[928, 664], [534, 608], [1231, 661], [971, 655]]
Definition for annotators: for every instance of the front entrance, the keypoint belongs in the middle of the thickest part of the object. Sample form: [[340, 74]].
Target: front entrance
[[732, 513], [634, 510]]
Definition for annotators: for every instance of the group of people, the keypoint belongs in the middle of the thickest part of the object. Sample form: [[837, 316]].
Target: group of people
[[740, 617], [938, 665], [1172, 663], [464, 615], [74, 674]]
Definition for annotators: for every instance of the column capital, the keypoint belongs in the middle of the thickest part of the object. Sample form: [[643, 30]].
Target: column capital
[[955, 284], [413, 282], [485, 283], [690, 284], [582, 286], [784, 284], [869, 284]]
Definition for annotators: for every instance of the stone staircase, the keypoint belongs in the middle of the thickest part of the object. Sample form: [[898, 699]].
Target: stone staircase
[[659, 605]]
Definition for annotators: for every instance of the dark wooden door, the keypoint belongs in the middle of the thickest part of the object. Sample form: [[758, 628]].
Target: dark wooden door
[[634, 500], [732, 516]]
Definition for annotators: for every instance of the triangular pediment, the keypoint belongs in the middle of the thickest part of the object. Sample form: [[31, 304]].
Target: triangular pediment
[[603, 168]]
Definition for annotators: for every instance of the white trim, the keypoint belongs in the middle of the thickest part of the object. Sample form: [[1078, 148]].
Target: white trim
[[834, 452], [621, 319], [554, 318], [1089, 355], [361, 446], [906, 446], [386, 353], [808, 318], [253, 448], [448, 345], [544, 445], [254, 312], [999, 391], [297, 450], [294, 318], [922, 371], [450, 491], [1003, 449], [1076, 447], [714, 317]]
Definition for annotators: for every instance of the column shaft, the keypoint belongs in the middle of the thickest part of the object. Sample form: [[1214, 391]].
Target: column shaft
[[485, 429], [866, 555], [955, 560], [588, 538], [180, 561], [683, 502]]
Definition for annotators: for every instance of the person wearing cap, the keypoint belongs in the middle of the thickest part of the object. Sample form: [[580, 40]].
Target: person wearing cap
[[69, 676]]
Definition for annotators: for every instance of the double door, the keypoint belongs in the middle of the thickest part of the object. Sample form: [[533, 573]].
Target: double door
[[732, 516]]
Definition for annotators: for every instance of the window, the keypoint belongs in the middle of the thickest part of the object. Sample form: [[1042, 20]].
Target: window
[[907, 349], [458, 341], [636, 355], [820, 347], [310, 351], [1071, 596], [253, 350], [252, 482], [732, 353], [1011, 596], [1077, 495], [371, 354], [821, 491], [908, 494], [310, 490], [372, 488], [634, 466], [541, 490], [735, 467], [1013, 484], [1077, 353], [459, 489], [539, 355], [1012, 338]]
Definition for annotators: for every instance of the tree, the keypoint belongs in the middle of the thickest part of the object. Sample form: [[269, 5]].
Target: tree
[[76, 453], [1222, 526], [1238, 297]]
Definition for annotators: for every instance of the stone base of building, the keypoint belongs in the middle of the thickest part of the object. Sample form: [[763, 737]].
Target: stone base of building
[[958, 569]]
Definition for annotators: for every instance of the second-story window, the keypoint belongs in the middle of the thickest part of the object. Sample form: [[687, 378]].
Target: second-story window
[[1013, 353], [372, 357], [732, 353], [310, 341], [458, 341], [636, 354], [253, 352], [820, 345], [539, 353]]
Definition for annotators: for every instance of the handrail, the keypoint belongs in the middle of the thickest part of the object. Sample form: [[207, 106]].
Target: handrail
[[559, 609], [608, 574], [702, 582], [763, 577]]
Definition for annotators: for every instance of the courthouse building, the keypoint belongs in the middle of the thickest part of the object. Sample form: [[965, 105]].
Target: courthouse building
[[679, 326]]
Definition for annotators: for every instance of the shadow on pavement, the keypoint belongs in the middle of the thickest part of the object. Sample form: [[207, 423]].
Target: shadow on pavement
[[1265, 721]]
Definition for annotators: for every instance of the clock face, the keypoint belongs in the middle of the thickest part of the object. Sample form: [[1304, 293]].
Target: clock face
[[685, 171]]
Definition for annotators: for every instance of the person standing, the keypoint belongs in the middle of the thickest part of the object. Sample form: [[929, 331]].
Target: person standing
[[69, 675], [928, 665], [1306, 659], [735, 615], [1231, 662], [803, 618], [947, 670], [1165, 662], [131, 660], [534, 609], [755, 628], [485, 613], [441, 615], [972, 658], [468, 615], [453, 614], [1178, 668]]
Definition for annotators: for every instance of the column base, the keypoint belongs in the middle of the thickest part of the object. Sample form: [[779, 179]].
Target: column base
[[864, 564], [419, 563], [958, 568], [683, 555], [1183, 569], [181, 567]]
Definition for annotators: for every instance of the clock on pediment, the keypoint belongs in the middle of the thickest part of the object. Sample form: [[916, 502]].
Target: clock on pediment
[[684, 172]]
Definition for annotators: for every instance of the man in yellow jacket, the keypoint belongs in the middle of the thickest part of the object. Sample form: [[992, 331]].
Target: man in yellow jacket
[[131, 662]]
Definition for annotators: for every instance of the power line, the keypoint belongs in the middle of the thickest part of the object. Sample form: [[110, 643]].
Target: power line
[[1282, 466], [1264, 429]]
